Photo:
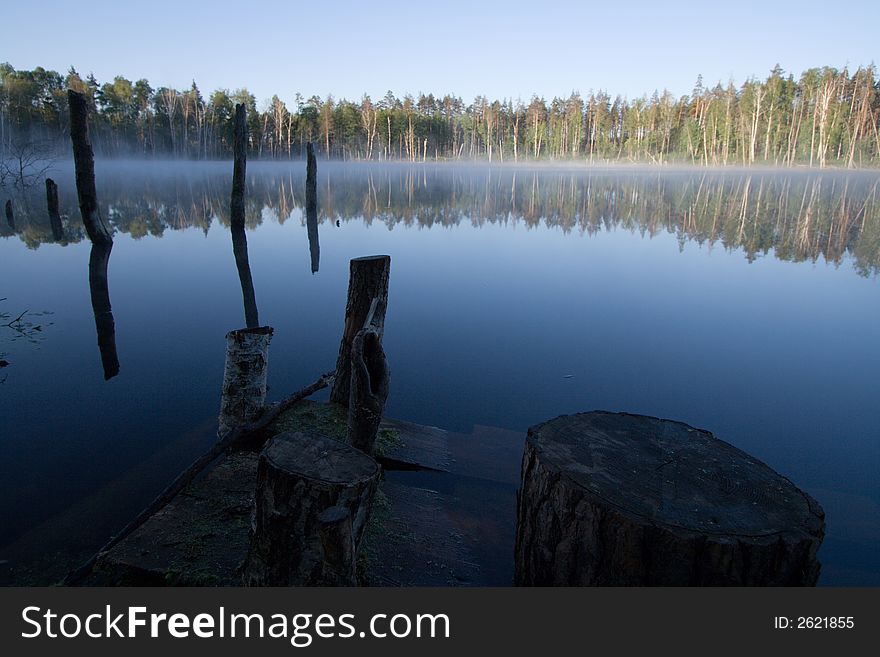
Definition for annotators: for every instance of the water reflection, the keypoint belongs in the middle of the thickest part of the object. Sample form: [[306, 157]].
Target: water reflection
[[99, 289], [240, 250]]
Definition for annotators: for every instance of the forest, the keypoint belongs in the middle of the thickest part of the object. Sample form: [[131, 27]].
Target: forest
[[825, 117]]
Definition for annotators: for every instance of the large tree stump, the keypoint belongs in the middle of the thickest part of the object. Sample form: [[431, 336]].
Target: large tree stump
[[243, 394], [84, 163], [368, 280], [619, 499], [312, 504], [370, 381]]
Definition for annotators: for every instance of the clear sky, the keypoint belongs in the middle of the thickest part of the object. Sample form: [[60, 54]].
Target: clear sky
[[500, 49]]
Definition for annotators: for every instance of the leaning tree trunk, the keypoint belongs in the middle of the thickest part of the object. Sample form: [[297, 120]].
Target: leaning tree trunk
[[244, 378], [312, 504], [616, 499], [370, 379], [99, 290], [368, 280], [84, 162]]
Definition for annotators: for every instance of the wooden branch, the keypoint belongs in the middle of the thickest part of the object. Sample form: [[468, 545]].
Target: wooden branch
[[230, 439]]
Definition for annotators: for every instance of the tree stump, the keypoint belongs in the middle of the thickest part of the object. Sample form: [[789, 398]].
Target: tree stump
[[313, 500], [243, 394], [368, 280], [370, 381], [10, 216], [616, 499]]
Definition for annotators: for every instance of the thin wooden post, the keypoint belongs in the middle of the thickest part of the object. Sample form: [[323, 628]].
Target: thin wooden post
[[10, 217], [84, 162], [368, 280], [99, 291], [52, 205], [239, 165]]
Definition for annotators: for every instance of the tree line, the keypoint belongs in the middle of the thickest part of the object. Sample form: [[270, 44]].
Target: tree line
[[825, 117], [799, 216]]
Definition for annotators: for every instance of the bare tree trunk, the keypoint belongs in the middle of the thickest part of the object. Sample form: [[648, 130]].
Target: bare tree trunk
[[84, 162], [52, 205], [239, 166], [368, 280], [10, 215]]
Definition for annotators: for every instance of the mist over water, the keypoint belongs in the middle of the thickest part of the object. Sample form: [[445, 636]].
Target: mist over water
[[742, 302]]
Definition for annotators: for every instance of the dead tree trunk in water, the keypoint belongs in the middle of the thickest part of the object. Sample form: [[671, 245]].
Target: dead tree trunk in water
[[99, 289], [370, 378], [10, 217], [312, 207], [84, 161], [240, 251], [368, 280], [313, 500], [52, 205], [239, 165], [244, 377]]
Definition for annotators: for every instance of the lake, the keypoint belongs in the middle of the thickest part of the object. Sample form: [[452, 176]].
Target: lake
[[745, 303]]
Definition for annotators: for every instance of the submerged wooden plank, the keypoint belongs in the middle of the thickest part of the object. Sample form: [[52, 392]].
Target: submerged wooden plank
[[198, 539], [415, 445]]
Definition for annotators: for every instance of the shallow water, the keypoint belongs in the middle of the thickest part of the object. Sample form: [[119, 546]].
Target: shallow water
[[742, 303]]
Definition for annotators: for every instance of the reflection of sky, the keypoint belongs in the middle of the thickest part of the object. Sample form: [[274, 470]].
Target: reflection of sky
[[484, 327]]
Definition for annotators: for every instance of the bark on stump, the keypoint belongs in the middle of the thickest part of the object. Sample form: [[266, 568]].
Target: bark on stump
[[615, 499], [370, 380], [244, 377], [84, 163], [312, 504], [368, 280], [52, 207]]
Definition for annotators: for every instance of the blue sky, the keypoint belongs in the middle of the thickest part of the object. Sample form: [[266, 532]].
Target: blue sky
[[500, 49]]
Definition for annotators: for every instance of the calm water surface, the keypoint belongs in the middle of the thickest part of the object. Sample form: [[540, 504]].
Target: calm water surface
[[746, 304]]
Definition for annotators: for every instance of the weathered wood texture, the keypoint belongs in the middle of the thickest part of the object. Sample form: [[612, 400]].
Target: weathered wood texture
[[619, 499], [239, 165], [368, 280], [242, 264], [10, 215], [370, 381], [84, 162], [299, 477], [99, 290], [243, 394], [52, 208]]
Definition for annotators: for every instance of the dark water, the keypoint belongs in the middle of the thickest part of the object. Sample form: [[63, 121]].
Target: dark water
[[746, 304]]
